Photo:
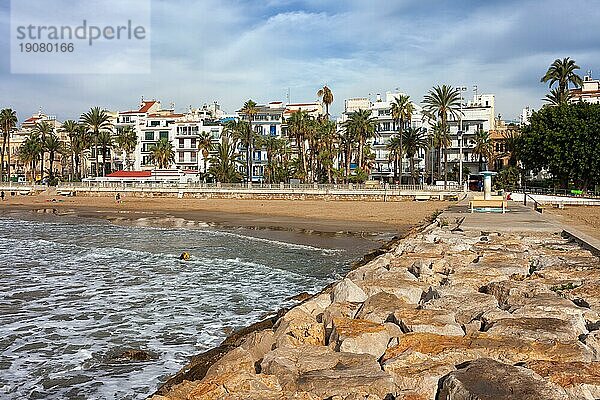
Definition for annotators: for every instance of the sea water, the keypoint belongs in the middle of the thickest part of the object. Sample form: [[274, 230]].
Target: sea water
[[75, 293]]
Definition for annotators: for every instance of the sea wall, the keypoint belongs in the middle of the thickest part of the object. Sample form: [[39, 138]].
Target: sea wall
[[443, 314]]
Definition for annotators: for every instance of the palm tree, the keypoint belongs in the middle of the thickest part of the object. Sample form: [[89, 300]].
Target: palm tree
[[43, 129], [443, 101], [363, 125], [29, 152], [8, 121], [126, 140], [240, 133], [272, 146], [71, 128], [483, 147], [205, 145], [441, 140], [53, 145], [347, 138], [556, 97], [326, 96], [511, 146], [96, 120], [250, 109], [105, 141], [563, 73], [327, 150], [414, 141], [394, 147], [79, 143], [223, 162], [298, 129], [402, 110], [162, 154]]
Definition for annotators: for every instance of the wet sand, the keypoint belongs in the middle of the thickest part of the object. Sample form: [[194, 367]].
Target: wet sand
[[584, 218], [332, 224]]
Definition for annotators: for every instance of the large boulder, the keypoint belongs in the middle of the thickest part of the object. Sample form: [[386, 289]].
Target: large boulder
[[489, 379], [339, 310], [408, 290], [466, 303], [325, 373], [297, 327], [440, 322], [359, 336], [347, 291], [534, 328], [380, 307], [580, 380]]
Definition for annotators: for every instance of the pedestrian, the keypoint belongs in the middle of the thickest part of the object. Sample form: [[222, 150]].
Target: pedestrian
[[2, 195], [118, 198]]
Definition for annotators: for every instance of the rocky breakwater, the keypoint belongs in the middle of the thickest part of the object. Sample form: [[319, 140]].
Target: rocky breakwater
[[443, 315]]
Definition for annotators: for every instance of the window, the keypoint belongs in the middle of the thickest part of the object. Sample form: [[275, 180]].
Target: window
[[154, 123], [149, 135], [256, 156], [386, 126], [193, 143], [193, 157], [146, 160], [164, 135], [273, 130], [181, 156], [181, 143]]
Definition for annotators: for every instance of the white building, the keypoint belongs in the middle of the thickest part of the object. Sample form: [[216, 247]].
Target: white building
[[478, 114], [525, 115], [381, 110], [589, 92]]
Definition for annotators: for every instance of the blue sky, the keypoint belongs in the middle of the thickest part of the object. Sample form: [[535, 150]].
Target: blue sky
[[230, 51]]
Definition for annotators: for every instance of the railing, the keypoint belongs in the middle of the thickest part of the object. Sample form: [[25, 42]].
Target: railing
[[259, 186], [557, 192]]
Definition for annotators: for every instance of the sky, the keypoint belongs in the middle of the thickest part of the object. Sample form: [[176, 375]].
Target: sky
[[230, 51]]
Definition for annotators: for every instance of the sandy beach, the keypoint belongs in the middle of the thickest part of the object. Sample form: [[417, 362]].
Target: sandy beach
[[323, 216], [586, 219]]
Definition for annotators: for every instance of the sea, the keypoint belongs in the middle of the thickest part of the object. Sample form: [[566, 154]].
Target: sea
[[77, 292]]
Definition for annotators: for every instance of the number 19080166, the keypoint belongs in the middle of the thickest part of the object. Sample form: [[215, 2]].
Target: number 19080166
[[46, 47]]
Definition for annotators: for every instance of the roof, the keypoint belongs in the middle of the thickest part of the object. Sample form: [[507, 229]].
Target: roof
[[146, 105], [130, 174], [165, 115]]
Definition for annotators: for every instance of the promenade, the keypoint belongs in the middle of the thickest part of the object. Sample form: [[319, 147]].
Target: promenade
[[472, 306]]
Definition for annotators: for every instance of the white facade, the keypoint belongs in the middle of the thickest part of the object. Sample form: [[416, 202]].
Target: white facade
[[525, 115], [589, 92]]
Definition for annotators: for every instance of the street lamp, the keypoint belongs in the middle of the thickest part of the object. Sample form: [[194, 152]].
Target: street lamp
[[460, 137]]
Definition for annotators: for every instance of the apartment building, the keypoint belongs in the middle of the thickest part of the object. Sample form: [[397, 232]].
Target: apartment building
[[589, 92]]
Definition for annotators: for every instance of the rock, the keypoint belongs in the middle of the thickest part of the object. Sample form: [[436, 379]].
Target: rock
[[458, 349], [489, 379], [512, 294], [467, 304], [553, 306], [417, 374], [580, 380], [440, 322], [592, 341], [242, 384], [322, 372], [407, 290], [316, 305], [347, 291], [133, 355], [380, 307], [359, 336], [586, 295], [339, 310], [297, 327], [299, 297], [533, 328]]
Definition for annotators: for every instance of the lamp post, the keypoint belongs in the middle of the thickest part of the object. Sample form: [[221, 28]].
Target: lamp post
[[460, 138]]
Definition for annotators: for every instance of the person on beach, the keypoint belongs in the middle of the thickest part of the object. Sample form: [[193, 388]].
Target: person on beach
[[118, 198], [2, 195]]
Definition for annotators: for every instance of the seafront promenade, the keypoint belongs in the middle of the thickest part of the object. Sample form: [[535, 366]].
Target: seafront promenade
[[470, 306]]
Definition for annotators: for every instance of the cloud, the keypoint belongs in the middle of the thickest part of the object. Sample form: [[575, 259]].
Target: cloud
[[230, 51]]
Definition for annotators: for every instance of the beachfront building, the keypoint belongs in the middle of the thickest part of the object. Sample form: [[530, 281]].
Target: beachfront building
[[499, 136], [271, 120], [477, 114], [151, 123], [382, 167], [589, 92], [20, 169]]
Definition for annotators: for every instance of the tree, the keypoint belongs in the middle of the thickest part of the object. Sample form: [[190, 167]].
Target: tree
[[362, 124], [53, 145], [205, 145], [441, 141], [556, 97], [563, 73], [415, 140], [29, 152], [347, 138], [402, 110], [240, 132], [394, 147], [564, 141], [43, 129], [443, 101], [327, 151], [162, 154], [71, 128], [127, 141], [223, 162], [272, 146], [8, 121], [484, 147], [250, 109], [96, 120], [81, 141], [326, 96], [105, 141]]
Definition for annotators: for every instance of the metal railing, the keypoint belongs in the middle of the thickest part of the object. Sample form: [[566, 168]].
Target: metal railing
[[595, 193]]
